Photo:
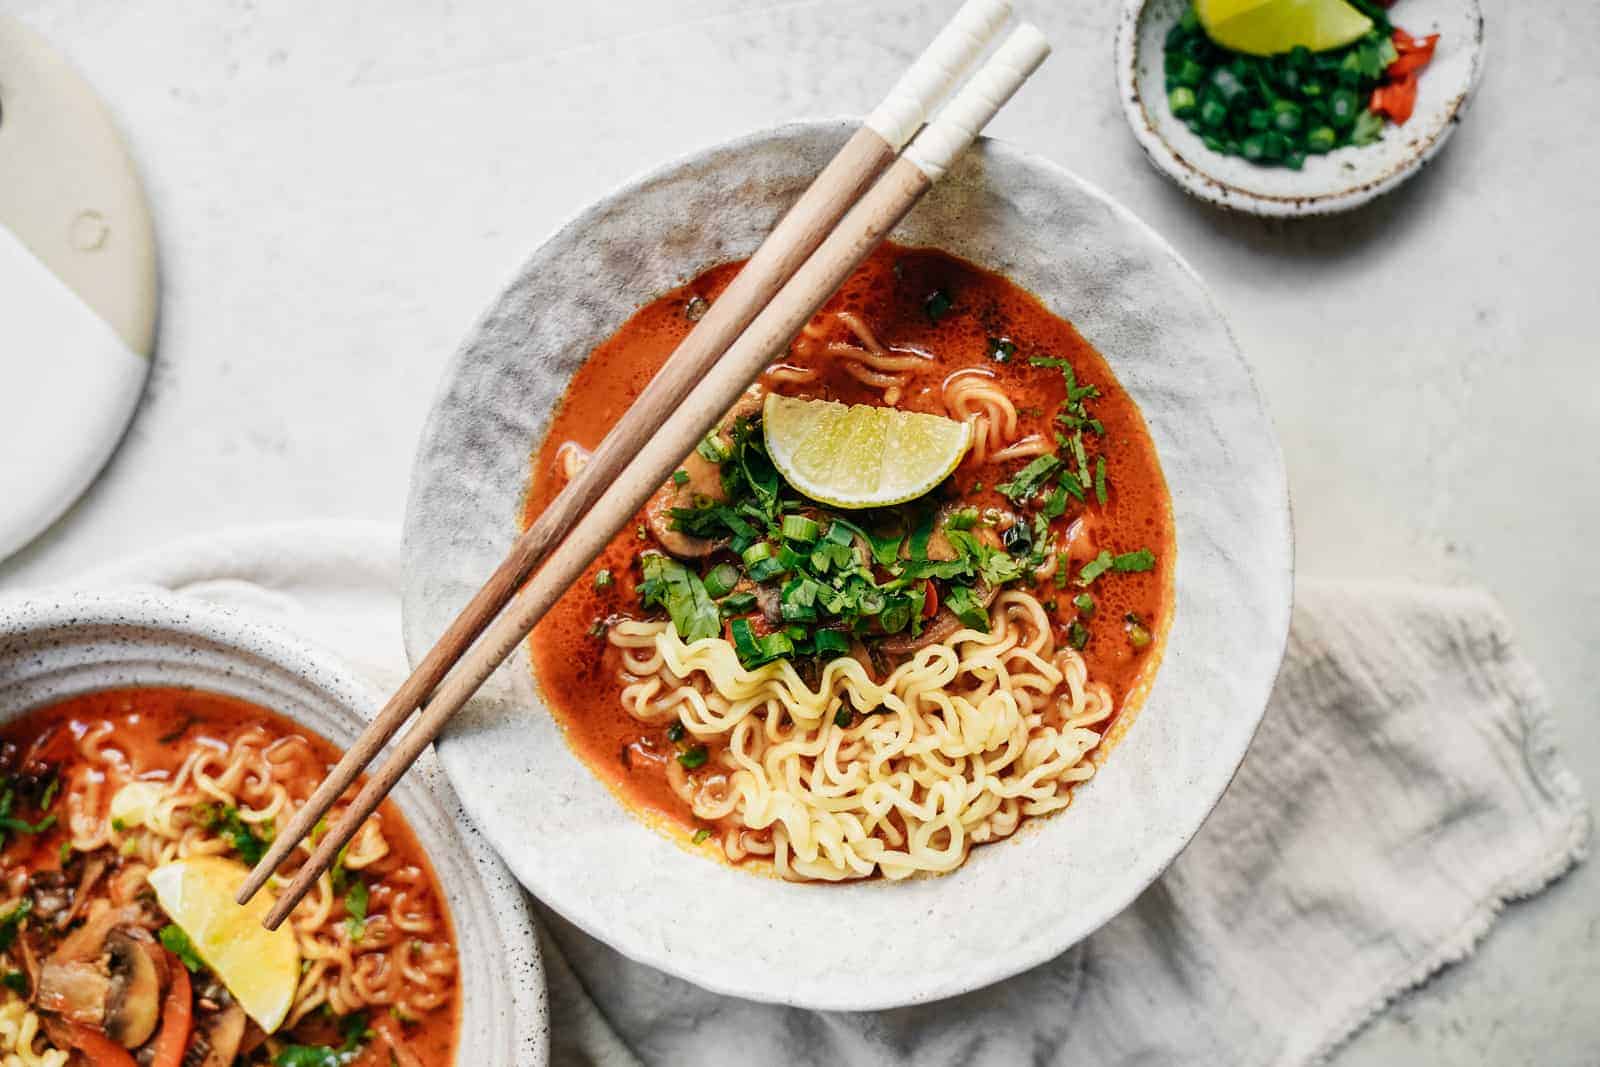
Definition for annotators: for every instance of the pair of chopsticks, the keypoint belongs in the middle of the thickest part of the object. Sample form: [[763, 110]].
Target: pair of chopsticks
[[829, 232]]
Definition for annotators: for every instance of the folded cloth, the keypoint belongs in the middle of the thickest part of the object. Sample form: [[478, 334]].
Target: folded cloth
[[1404, 786]]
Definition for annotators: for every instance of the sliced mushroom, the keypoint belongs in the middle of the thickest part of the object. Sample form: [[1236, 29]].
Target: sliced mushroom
[[704, 483], [74, 989], [133, 999], [223, 1033], [88, 942]]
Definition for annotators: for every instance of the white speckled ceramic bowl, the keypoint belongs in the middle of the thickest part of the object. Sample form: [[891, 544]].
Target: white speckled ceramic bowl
[[1015, 903], [1335, 182], [54, 648]]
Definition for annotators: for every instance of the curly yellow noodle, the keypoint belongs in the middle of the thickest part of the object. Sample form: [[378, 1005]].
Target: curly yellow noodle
[[969, 737], [20, 1042], [398, 960]]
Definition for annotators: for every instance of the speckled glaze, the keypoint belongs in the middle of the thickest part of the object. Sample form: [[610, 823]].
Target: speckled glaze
[[1013, 904], [54, 648], [1330, 183]]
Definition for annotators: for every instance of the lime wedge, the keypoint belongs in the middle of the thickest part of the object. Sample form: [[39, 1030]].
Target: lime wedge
[[860, 456], [260, 967], [1268, 27]]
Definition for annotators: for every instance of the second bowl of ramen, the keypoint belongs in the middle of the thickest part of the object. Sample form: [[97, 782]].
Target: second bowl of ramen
[[1007, 504], [149, 748]]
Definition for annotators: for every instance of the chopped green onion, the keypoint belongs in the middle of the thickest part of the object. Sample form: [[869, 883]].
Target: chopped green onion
[[1001, 349], [829, 642], [680, 477], [759, 551], [694, 757], [1084, 603], [1138, 633], [603, 579], [937, 305], [800, 528], [675, 732], [721, 580], [737, 603], [844, 716], [701, 835], [712, 449]]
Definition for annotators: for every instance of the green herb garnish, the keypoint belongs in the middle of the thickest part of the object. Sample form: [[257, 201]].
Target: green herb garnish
[[175, 941], [670, 585], [356, 899]]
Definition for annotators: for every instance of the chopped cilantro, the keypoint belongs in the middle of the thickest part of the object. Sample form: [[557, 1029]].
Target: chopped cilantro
[[175, 941], [1095, 568], [964, 603], [356, 1033], [1142, 560], [669, 584], [250, 842], [1029, 479]]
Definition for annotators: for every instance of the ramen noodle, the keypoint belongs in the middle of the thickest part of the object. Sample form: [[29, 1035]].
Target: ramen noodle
[[837, 694], [111, 796]]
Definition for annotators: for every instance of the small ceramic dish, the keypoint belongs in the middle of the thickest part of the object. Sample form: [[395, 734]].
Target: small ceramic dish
[[58, 647], [1014, 904], [1339, 181]]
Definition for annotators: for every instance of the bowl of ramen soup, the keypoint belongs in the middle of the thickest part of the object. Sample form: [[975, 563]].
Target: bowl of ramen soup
[[939, 646], [149, 748]]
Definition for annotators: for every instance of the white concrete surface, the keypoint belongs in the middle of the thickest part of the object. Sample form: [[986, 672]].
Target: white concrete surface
[[340, 188]]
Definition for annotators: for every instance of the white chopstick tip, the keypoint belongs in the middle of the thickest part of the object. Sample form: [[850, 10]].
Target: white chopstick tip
[[955, 128], [936, 71]]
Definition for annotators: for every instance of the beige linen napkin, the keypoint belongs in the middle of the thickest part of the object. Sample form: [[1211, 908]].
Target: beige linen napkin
[[1404, 786]]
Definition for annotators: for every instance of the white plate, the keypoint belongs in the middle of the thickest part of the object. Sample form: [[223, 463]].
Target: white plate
[[1015, 903], [78, 274], [1338, 181], [58, 647]]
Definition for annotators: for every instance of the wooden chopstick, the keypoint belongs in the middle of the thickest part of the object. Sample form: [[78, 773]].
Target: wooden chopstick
[[840, 253], [841, 182]]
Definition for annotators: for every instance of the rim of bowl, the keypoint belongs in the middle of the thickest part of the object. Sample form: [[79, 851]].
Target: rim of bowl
[[252, 646], [979, 973], [1195, 180]]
